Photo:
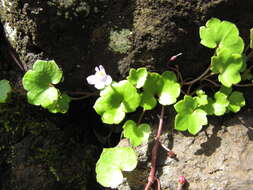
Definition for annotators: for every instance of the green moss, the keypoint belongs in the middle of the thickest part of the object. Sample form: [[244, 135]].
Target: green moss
[[119, 41], [70, 8]]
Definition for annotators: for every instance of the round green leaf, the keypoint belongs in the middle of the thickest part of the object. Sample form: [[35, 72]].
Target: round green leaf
[[221, 35], [191, 121], [137, 134], [236, 101], [138, 77], [116, 100], [39, 83], [5, 89], [112, 162], [170, 89], [228, 66]]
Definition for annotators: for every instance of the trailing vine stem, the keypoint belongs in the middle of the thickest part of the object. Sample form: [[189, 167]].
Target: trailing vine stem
[[199, 78], [141, 116], [152, 177], [86, 95]]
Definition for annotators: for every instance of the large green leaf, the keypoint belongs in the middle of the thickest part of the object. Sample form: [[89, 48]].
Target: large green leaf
[[116, 100], [5, 89], [138, 77], [112, 162], [221, 35], [39, 83], [228, 66], [137, 134]]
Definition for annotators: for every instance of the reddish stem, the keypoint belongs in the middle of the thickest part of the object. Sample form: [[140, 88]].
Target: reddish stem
[[152, 178]]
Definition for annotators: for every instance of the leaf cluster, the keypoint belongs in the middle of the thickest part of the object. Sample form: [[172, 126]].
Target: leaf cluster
[[228, 61]]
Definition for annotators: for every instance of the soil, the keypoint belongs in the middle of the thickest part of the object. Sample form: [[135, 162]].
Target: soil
[[60, 151]]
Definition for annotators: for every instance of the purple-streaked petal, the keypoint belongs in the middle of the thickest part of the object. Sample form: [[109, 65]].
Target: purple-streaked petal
[[101, 68], [96, 69], [92, 79]]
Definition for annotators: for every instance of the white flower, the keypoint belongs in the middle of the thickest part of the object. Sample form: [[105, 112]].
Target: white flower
[[100, 79]]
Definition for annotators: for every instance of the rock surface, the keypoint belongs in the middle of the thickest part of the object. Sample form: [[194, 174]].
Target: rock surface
[[219, 158]]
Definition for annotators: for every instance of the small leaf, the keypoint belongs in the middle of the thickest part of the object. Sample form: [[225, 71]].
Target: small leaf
[[201, 98], [191, 121], [5, 89], [116, 100], [228, 66], [251, 38], [221, 35], [138, 77], [236, 101], [112, 162], [39, 83], [137, 134]]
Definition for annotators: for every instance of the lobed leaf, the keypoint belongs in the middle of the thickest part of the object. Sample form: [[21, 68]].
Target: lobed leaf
[[5, 89], [137, 134], [221, 35], [116, 100], [112, 162], [39, 83]]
